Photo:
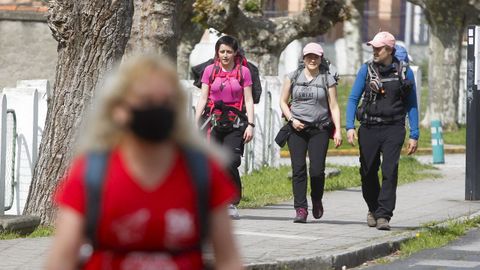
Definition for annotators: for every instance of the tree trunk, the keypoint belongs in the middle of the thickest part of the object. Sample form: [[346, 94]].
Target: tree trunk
[[443, 81], [353, 38], [190, 36], [91, 36], [154, 28], [190, 33], [185, 48], [447, 22], [267, 63]]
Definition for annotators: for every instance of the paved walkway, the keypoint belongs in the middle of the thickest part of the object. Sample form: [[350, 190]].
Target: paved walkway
[[269, 240]]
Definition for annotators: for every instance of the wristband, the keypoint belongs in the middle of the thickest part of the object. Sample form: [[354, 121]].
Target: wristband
[[251, 124]]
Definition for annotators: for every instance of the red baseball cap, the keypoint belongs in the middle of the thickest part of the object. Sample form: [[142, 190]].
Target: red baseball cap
[[382, 39]]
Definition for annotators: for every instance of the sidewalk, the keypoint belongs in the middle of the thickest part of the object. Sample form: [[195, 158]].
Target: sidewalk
[[270, 240]]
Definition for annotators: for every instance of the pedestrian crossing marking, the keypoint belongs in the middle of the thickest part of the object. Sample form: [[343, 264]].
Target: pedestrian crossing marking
[[274, 235], [449, 263]]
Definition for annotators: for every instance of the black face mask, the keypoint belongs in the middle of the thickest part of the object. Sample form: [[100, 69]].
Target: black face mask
[[153, 124]]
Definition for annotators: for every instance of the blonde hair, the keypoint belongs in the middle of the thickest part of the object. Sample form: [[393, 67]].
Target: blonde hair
[[103, 133]]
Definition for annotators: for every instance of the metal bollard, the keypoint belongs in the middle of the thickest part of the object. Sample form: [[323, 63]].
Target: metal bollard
[[437, 142]]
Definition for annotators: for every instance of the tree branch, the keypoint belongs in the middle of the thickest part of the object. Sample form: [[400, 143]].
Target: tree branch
[[229, 17]]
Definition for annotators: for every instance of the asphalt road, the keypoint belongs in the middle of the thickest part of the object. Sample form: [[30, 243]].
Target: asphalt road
[[463, 253]]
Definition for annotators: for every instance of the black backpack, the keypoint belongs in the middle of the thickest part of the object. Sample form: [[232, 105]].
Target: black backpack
[[325, 67], [197, 73], [94, 178]]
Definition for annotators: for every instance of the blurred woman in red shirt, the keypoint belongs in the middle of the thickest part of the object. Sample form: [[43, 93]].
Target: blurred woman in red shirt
[[148, 216]]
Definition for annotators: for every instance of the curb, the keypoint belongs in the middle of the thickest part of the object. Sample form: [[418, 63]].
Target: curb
[[355, 151], [353, 256]]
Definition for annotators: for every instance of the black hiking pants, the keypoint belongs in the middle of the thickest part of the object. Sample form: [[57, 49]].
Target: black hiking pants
[[233, 142], [315, 142], [376, 141]]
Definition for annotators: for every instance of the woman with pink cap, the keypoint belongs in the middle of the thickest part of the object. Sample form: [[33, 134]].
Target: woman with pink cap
[[313, 117]]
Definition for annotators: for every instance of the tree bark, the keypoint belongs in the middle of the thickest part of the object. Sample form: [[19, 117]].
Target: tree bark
[[154, 28], [189, 34], [262, 38], [185, 47], [447, 21], [91, 36], [444, 76], [352, 30]]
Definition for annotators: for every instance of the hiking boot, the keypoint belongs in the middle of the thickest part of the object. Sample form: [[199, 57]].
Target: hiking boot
[[371, 221], [317, 209], [233, 212], [301, 216], [383, 224]]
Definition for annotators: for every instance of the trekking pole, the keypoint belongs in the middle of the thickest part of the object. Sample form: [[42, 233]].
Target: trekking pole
[[206, 122]]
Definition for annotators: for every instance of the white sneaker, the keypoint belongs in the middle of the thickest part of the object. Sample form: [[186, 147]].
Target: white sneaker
[[233, 212]]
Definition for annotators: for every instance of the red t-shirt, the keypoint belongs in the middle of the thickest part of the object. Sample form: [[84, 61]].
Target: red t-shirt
[[134, 219]]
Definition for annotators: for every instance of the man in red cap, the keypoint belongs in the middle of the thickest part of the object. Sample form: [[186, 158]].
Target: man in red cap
[[389, 93]]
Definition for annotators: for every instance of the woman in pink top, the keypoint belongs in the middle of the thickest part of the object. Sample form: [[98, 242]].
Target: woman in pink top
[[226, 102]]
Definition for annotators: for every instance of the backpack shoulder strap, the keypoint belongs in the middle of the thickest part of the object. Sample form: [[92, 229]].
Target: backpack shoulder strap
[[215, 71], [198, 165], [296, 74], [95, 169], [402, 70], [327, 94]]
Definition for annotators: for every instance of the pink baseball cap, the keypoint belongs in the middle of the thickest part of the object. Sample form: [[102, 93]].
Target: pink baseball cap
[[382, 39], [314, 48]]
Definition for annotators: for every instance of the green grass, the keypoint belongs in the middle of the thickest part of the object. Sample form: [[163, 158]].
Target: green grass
[[41, 231], [271, 185], [266, 186], [433, 236]]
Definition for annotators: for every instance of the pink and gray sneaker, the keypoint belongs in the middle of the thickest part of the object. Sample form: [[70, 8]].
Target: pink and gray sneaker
[[301, 216]]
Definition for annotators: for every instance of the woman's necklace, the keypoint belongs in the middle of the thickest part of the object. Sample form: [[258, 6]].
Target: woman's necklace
[[311, 74], [227, 70]]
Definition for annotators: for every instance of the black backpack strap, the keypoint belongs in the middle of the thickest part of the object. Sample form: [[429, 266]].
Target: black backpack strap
[[215, 71], [96, 164], [225, 109], [295, 76], [198, 164]]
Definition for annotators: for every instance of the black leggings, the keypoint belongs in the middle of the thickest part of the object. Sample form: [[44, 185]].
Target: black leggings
[[233, 142], [315, 141]]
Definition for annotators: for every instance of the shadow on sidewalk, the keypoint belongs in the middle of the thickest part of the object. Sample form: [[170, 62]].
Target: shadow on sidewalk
[[250, 217], [324, 221]]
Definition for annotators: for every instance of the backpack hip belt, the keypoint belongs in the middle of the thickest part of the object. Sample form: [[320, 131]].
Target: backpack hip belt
[[385, 120], [323, 125]]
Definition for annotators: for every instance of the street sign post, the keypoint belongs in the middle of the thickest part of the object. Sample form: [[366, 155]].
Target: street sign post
[[472, 175]]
